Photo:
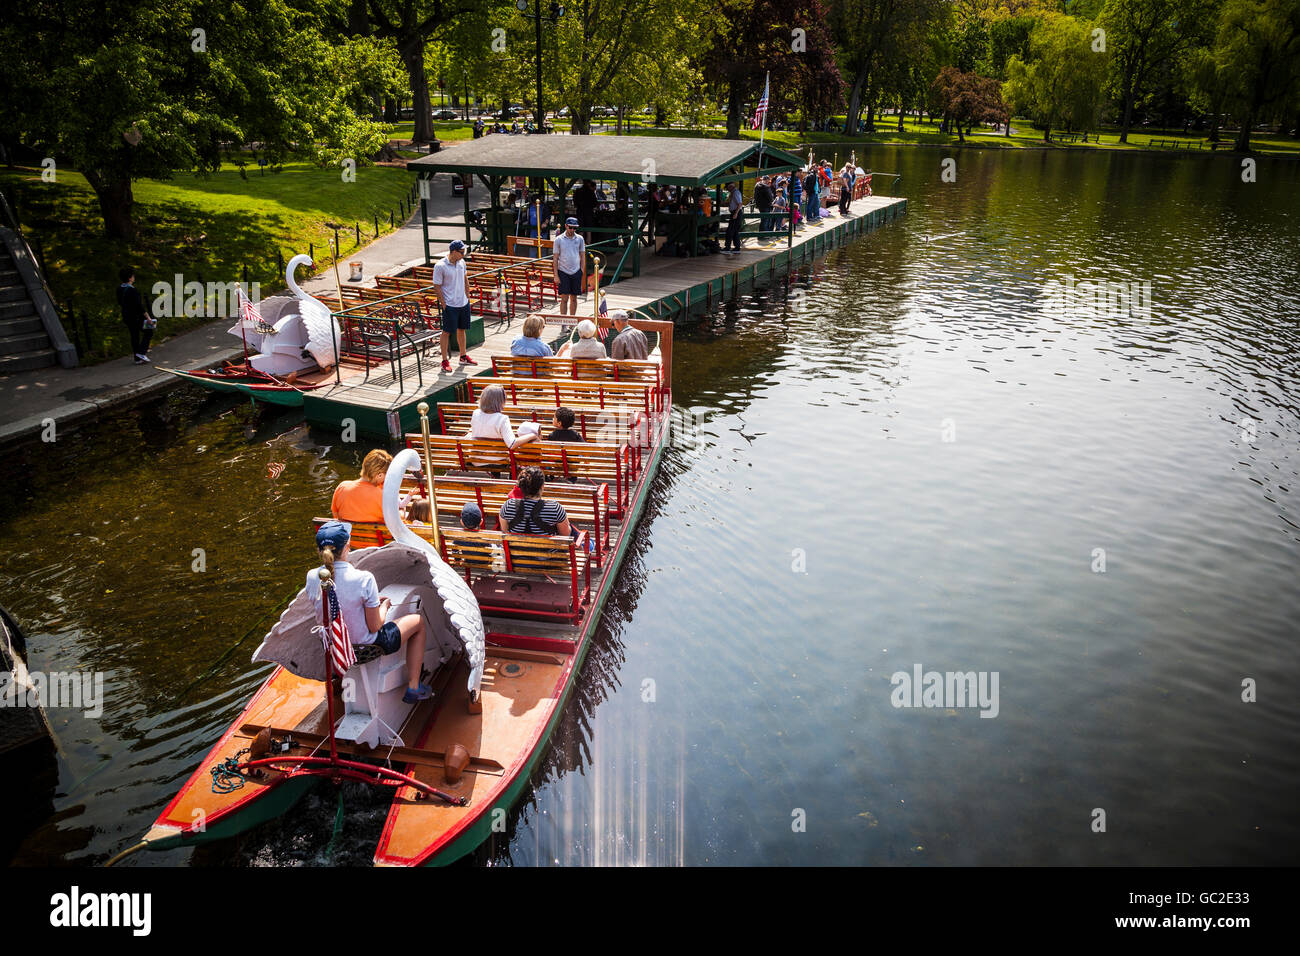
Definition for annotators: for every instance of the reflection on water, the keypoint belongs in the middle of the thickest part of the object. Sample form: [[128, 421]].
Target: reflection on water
[[905, 456]]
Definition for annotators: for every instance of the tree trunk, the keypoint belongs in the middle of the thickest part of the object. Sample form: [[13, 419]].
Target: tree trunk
[[855, 104], [902, 111], [116, 201], [1243, 138], [661, 116], [411, 50], [390, 110], [1127, 93], [733, 111], [1047, 133]]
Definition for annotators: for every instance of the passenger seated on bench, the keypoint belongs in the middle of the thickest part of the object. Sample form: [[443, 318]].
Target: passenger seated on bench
[[533, 514], [587, 346], [363, 610], [471, 517], [362, 498], [564, 426], [419, 511], [488, 421], [530, 343]]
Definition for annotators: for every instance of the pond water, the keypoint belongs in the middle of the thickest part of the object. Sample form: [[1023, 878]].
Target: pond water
[[921, 453]]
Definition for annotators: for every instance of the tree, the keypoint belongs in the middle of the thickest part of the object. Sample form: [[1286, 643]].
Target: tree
[[1143, 34], [132, 92], [968, 98], [604, 45], [1258, 51], [1061, 82], [411, 25], [876, 35], [754, 37]]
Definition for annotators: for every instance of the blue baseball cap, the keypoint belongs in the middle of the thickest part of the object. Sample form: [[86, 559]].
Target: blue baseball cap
[[470, 515], [571, 222], [457, 245], [333, 534]]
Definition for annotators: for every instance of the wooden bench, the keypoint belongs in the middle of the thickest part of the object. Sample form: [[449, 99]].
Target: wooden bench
[[630, 370], [587, 505], [616, 465], [495, 566], [617, 423], [516, 574], [554, 392]]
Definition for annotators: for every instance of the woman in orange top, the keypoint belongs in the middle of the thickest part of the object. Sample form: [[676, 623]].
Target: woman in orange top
[[363, 498]]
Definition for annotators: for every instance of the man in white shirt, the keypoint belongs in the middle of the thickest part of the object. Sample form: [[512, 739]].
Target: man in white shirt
[[568, 255], [451, 282], [735, 206]]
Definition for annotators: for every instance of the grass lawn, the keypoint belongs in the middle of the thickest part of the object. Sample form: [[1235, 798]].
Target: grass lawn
[[205, 230], [1023, 136]]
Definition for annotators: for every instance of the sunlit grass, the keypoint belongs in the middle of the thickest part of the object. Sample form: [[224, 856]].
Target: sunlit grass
[[204, 229]]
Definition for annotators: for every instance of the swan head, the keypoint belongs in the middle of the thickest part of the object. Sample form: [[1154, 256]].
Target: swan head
[[292, 267]]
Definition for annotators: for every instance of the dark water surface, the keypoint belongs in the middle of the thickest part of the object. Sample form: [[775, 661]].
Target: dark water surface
[[910, 455]]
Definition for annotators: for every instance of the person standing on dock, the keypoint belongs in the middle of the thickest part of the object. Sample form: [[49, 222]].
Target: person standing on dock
[[847, 180], [735, 206], [763, 200], [135, 315], [451, 282], [796, 196], [568, 255]]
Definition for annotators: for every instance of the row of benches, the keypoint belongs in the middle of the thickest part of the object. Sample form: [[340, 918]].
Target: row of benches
[[574, 393], [616, 423], [627, 370]]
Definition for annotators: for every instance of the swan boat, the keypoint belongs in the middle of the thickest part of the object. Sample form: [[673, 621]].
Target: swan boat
[[501, 671], [292, 351]]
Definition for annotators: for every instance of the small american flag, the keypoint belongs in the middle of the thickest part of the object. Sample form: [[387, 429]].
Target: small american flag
[[761, 110], [602, 331], [337, 641]]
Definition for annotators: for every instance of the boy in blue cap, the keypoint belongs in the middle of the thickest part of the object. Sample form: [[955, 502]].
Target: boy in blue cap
[[363, 610]]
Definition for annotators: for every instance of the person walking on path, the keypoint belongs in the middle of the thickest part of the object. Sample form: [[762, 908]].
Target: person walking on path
[[735, 206], [135, 315], [451, 283], [569, 253]]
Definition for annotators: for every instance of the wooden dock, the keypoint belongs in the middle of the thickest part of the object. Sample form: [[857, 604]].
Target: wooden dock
[[380, 405]]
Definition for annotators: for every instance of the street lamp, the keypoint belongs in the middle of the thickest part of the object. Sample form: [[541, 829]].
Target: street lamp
[[466, 72], [556, 11]]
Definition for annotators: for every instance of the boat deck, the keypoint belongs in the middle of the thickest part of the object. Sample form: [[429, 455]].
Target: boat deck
[[668, 287]]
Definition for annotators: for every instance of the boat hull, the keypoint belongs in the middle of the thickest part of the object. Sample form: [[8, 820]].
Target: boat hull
[[272, 394]]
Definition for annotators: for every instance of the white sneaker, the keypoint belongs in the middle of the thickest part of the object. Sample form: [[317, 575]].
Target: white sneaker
[[143, 358]]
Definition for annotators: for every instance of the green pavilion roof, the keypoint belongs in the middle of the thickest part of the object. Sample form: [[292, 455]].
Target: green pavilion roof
[[673, 160]]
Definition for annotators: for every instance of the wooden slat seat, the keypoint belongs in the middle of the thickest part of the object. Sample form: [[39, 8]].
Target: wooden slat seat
[[514, 574], [544, 392], [523, 366], [587, 505], [614, 464], [522, 575], [615, 423]]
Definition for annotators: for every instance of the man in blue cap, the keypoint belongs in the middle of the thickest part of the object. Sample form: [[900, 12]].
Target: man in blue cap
[[567, 259], [451, 283], [363, 610]]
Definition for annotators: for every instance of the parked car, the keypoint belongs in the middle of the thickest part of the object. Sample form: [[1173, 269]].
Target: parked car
[[445, 115]]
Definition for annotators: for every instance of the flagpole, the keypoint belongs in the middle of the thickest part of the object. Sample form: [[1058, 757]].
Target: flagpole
[[762, 133], [423, 409]]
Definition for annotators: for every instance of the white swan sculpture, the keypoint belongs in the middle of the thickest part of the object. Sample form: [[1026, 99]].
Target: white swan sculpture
[[322, 331], [457, 599]]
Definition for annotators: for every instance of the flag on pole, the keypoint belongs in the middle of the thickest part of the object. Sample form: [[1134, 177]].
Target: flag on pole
[[336, 638], [601, 330], [760, 114], [249, 317]]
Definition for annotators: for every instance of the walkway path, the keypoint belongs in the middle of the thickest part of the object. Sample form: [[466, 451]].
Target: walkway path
[[73, 396]]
